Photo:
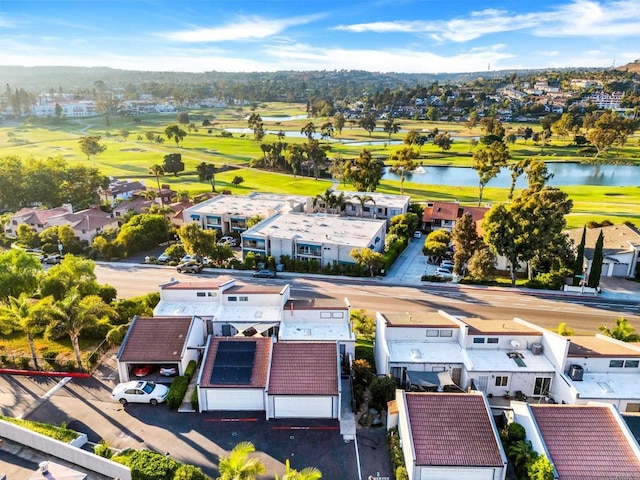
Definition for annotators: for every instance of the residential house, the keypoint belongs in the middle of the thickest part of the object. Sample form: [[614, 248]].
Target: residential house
[[137, 206], [36, 218], [582, 442], [621, 249], [86, 224], [324, 238], [164, 195], [369, 204], [448, 436], [444, 215], [119, 190]]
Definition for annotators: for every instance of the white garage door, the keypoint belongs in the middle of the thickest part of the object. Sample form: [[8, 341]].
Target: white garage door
[[235, 399], [303, 407], [431, 473]]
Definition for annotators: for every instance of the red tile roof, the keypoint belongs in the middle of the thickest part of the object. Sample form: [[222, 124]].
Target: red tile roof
[[441, 211], [155, 339], [302, 368], [586, 443], [452, 429], [260, 365]]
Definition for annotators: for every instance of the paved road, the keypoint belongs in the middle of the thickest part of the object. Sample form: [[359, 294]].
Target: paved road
[[398, 294]]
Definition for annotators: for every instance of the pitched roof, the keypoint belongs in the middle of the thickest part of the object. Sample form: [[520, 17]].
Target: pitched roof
[[452, 429], [41, 215], [586, 442], [301, 368], [155, 339], [260, 364], [595, 346], [617, 239], [441, 211]]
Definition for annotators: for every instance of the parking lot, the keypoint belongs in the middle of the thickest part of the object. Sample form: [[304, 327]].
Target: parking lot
[[198, 439]]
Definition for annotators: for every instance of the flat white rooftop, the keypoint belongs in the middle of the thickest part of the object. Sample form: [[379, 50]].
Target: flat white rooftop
[[316, 331], [185, 309], [251, 314], [421, 352], [322, 228], [608, 386], [381, 199], [249, 206], [499, 361]]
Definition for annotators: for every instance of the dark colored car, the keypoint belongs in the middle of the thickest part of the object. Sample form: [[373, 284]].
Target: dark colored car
[[142, 370], [265, 274], [54, 259], [189, 267]]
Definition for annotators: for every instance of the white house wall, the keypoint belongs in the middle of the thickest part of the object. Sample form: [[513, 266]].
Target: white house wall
[[504, 341], [316, 315], [231, 399], [303, 406], [406, 441], [416, 334], [517, 381], [381, 346], [211, 296], [522, 415]]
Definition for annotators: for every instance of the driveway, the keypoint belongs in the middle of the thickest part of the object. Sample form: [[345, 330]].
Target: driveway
[[410, 265]]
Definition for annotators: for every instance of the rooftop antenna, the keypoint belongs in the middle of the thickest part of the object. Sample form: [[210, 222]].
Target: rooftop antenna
[[489, 67]]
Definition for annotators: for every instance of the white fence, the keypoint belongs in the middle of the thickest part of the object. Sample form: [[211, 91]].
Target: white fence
[[64, 451]]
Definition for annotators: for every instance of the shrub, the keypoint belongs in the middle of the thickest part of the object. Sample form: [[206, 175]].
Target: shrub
[[59, 433], [514, 432], [189, 472], [190, 370], [23, 363], [116, 335], [194, 399], [103, 449], [362, 372], [51, 357], [433, 278], [401, 473], [176, 392], [395, 450], [147, 465], [383, 389]]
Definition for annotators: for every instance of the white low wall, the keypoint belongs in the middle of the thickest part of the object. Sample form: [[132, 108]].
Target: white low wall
[[64, 451], [587, 290]]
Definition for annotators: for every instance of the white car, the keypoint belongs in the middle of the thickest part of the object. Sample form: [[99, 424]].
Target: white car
[[140, 392], [443, 272], [232, 242], [163, 257]]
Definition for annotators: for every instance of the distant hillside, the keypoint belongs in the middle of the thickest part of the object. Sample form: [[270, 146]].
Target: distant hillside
[[630, 67]]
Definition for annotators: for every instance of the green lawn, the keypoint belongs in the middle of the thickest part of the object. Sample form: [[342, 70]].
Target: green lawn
[[132, 158]]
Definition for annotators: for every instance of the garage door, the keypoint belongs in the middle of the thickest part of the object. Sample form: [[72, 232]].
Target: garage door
[[303, 407], [434, 473], [620, 269], [234, 399]]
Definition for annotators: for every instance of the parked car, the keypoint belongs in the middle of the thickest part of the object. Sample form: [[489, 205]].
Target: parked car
[[163, 258], [417, 234], [265, 274], [142, 370], [140, 392], [54, 259], [232, 242], [443, 272], [190, 258], [447, 264], [168, 370], [189, 267]]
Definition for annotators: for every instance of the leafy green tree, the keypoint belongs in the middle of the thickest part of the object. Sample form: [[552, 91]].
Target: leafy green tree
[[189, 472], [72, 273], [19, 273], [157, 171], [390, 126], [564, 330], [338, 122], [596, 263], [482, 264], [26, 236], [238, 465], [466, 241], [437, 244], [609, 129], [622, 330], [383, 390], [521, 453], [149, 135], [403, 163], [541, 469], [207, 173], [24, 315], [578, 266], [124, 133], [368, 122], [308, 130], [173, 163], [316, 155], [73, 314], [175, 132], [564, 125], [487, 162], [91, 146], [183, 118], [237, 180], [364, 325], [255, 124], [294, 155], [443, 141], [196, 240], [492, 130], [143, 232], [432, 114], [367, 258], [366, 172]]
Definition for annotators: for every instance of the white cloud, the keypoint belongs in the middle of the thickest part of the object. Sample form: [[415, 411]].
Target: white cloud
[[252, 28]]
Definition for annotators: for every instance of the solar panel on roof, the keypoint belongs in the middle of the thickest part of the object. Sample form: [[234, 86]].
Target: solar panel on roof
[[234, 363]]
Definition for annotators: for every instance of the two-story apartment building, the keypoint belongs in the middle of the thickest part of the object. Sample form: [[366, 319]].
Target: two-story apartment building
[[321, 237]]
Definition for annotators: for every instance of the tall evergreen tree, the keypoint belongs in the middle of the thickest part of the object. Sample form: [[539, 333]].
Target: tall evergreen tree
[[465, 240], [596, 263], [578, 265]]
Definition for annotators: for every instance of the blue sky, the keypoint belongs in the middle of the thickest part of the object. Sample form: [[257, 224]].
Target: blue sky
[[422, 36]]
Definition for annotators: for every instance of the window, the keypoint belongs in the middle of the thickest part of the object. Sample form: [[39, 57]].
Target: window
[[502, 381], [200, 294], [631, 364], [616, 363], [432, 333], [211, 294], [243, 299], [478, 340], [337, 315], [492, 340], [325, 314], [446, 333], [233, 299]]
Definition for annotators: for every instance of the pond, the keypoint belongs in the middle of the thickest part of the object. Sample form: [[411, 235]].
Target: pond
[[248, 131], [564, 174], [283, 118]]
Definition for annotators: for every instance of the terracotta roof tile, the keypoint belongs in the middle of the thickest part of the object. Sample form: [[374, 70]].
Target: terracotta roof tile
[[155, 339], [301, 368], [260, 364], [586, 443], [452, 429]]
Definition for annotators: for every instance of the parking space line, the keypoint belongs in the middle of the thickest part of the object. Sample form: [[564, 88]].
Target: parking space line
[[293, 427], [230, 419]]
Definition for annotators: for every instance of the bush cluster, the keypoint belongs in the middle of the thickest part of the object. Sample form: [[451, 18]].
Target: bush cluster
[[149, 465], [177, 391], [190, 370]]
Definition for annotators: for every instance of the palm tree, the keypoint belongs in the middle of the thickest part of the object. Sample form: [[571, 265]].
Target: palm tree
[[308, 473], [363, 199], [26, 315], [621, 331], [158, 171], [520, 453], [73, 314], [238, 465]]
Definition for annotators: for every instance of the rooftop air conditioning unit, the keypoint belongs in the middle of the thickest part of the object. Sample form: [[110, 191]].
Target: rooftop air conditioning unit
[[536, 348], [576, 372]]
